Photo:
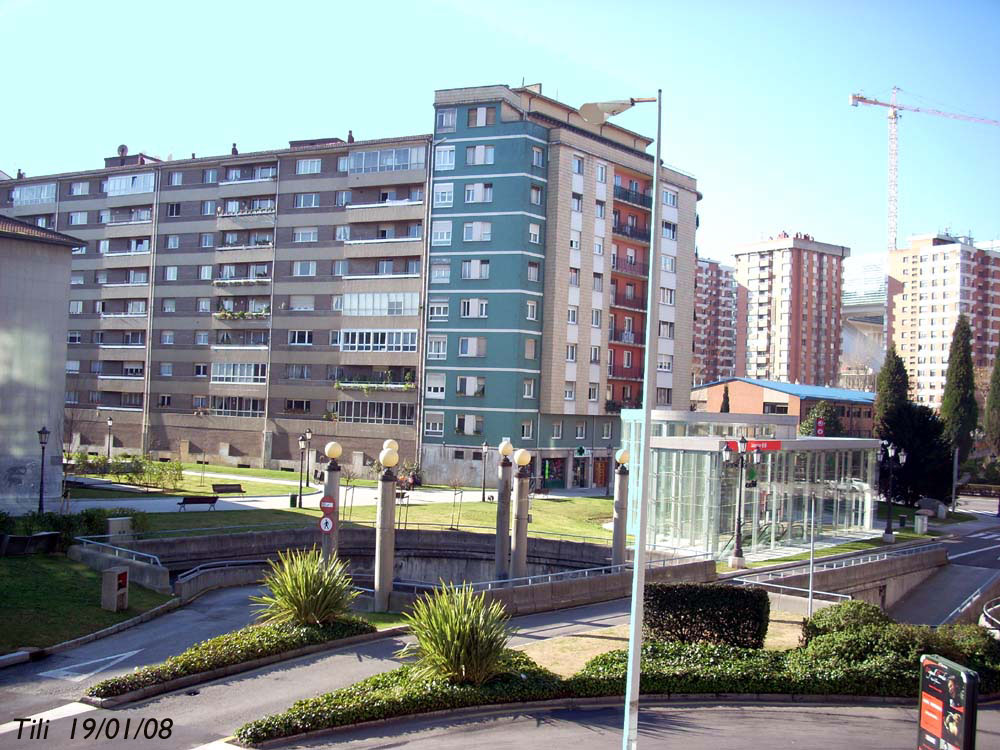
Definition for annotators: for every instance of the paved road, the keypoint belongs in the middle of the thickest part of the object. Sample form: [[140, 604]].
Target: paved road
[[691, 727]]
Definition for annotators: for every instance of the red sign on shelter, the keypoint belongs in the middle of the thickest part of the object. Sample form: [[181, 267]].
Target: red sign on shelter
[[764, 445]]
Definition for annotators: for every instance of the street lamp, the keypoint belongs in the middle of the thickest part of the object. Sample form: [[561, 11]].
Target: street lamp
[[43, 439], [309, 437], [111, 423], [302, 455], [486, 447], [736, 561], [597, 113], [890, 456]]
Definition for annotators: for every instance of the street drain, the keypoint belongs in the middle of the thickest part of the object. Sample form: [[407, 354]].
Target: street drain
[[192, 692]]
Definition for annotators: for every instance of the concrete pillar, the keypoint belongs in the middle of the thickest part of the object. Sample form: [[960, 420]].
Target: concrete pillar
[[385, 540], [331, 489], [620, 505], [503, 520], [519, 546]]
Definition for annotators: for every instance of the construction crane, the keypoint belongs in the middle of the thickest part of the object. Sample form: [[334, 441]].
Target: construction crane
[[894, 109]]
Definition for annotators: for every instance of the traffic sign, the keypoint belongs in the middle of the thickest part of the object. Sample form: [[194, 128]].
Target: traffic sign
[[326, 525], [328, 505], [820, 427]]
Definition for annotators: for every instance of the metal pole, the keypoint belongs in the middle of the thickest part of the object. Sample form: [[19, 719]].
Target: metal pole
[[385, 540], [301, 456], [519, 545], [308, 456], [812, 547], [887, 535], [331, 489], [110, 440], [41, 484], [618, 525], [503, 520], [485, 447], [644, 458], [954, 479], [738, 548]]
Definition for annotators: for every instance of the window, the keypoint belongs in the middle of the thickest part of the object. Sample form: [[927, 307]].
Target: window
[[581, 430], [475, 269], [664, 396], [169, 305], [166, 337], [437, 347], [557, 430], [606, 428], [668, 263], [571, 352], [307, 200], [73, 337], [468, 424], [298, 372], [470, 386], [669, 230], [381, 303], [627, 357], [72, 397], [574, 239], [537, 157], [208, 208], [444, 194], [479, 117], [308, 166], [342, 198], [592, 390], [571, 314], [305, 234], [598, 247], [205, 273], [239, 372], [477, 231], [173, 209], [666, 329], [133, 369], [433, 423], [300, 338], [576, 203], [302, 302], [598, 282], [532, 310], [81, 250], [595, 355], [527, 429], [204, 304], [304, 268], [478, 155], [342, 233], [209, 176], [208, 240], [173, 241], [479, 192], [528, 390], [438, 309], [472, 346], [440, 272], [534, 233], [79, 188], [530, 348], [104, 246], [574, 277], [127, 184], [669, 198], [170, 273], [201, 338], [473, 308], [577, 165], [535, 195], [599, 209], [101, 277], [665, 363], [166, 369], [601, 171], [385, 160], [666, 296], [441, 233], [76, 278], [446, 119], [77, 217], [444, 158], [534, 271], [72, 365], [569, 391]]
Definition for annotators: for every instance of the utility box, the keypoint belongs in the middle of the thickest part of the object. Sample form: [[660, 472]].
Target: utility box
[[920, 524], [120, 530], [114, 589]]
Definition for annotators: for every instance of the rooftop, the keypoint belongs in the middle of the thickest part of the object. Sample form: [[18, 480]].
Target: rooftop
[[813, 392], [22, 230]]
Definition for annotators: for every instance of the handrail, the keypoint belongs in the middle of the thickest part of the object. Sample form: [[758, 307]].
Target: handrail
[[117, 551], [815, 593], [988, 608], [970, 599], [846, 562], [189, 574]]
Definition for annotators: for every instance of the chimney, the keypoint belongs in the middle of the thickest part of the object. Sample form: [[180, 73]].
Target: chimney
[[350, 136], [234, 152], [192, 154], [20, 174]]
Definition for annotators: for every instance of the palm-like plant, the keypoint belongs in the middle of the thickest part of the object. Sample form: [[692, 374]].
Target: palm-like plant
[[460, 636], [305, 590]]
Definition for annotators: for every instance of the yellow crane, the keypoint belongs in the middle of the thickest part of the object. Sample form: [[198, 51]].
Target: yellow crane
[[894, 108]]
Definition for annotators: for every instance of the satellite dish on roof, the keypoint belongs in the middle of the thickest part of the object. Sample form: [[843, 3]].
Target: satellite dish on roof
[[123, 150]]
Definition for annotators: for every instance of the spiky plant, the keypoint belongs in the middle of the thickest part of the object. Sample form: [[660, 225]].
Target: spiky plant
[[460, 636], [305, 590]]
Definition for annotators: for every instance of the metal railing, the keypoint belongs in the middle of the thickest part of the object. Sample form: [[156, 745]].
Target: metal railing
[[633, 196], [624, 336], [991, 612], [843, 562], [627, 373], [815, 593], [633, 303], [626, 266], [970, 599], [635, 233], [111, 549], [189, 574]]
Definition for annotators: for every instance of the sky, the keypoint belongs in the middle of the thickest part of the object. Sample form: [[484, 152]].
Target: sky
[[756, 94]]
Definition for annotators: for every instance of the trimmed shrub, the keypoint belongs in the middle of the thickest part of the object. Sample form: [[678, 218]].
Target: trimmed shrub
[[305, 589], [246, 644], [460, 637], [845, 616], [398, 693], [714, 613]]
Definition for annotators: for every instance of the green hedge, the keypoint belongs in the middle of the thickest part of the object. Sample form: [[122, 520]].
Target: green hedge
[[246, 644], [713, 613], [89, 522], [845, 616], [396, 693]]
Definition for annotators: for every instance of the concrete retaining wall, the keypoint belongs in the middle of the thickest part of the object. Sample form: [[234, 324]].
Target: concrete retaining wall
[[973, 614], [143, 574], [217, 578]]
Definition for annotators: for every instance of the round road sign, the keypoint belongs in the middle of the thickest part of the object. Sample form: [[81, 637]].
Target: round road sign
[[326, 524], [327, 504]]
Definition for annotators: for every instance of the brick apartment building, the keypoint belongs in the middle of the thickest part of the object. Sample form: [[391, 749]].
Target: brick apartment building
[[716, 302]]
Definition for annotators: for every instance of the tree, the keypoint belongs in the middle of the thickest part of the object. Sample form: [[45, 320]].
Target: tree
[[891, 391], [828, 413], [991, 414], [724, 409], [959, 411], [927, 471]]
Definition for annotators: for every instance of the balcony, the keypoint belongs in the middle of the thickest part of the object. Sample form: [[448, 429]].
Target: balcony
[[625, 373], [633, 267], [634, 197], [632, 303], [241, 280], [615, 407], [242, 314], [640, 234], [621, 336]]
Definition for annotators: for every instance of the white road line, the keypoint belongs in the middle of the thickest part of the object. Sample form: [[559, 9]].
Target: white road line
[[71, 674], [218, 745], [70, 709], [973, 552]]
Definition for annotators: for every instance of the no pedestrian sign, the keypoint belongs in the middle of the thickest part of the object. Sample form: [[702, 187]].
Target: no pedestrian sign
[[326, 525]]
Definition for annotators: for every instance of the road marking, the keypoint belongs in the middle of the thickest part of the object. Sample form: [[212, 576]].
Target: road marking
[[973, 552], [71, 674], [985, 535], [70, 709], [218, 745]]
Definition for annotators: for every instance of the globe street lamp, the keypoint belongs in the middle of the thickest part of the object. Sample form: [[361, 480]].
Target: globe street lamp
[[308, 436], [111, 423], [302, 455], [43, 439], [890, 456]]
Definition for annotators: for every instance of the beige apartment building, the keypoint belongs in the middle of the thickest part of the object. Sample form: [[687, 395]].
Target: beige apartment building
[[716, 303], [221, 306], [931, 283], [792, 321]]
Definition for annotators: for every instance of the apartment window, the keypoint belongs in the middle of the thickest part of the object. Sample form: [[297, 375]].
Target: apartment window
[[470, 386], [298, 372], [532, 310], [77, 217], [479, 117], [342, 197], [530, 348], [574, 239], [664, 396], [595, 355], [302, 302], [72, 365], [473, 308], [72, 397], [201, 338], [598, 282], [602, 173], [441, 233], [477, 231], [208, 240], [571, 352], [606, 428], [133, 369], [300, 338], [81, 250], [73, 337], [627, 359], [79, 188], [669, 230], [436, 382], [668, 263], [534, 271], [534, 233], [446, 120], [173, 209], [665, 363], [166, 337], [205, 273], [164, 400], [304, 268], [598, 247], [434, 423], [444, 194], [76, 278], [101, 277], [666, 329], [103, 246], [437, 347], [204, 304], [307, 200], [209, 176], [537, 157], [577, 165], [527, 429], [438, 310], [576, 203], [208, 208], [599, 207], [170, 273], [440, 272], [569, 391], [479, 192], [127, 184], [341, 233], [666, 296], [669, 198], [307, 166], [472, 346], [571, 314], [166, 369], [173, 241], [475, 269], [574, 277], [478, 155], [305, 234], [169, 305], [444, 158], [535, 195], [581, 430]]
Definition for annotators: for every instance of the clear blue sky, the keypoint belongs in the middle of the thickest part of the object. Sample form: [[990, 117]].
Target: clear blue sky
[[756, 94]]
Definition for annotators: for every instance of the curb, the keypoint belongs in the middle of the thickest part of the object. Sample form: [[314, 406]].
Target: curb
[[19, 657], [597, 702], [233, 669]]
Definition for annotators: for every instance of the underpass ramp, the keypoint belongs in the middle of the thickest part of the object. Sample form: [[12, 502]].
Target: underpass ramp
[[938, 596]]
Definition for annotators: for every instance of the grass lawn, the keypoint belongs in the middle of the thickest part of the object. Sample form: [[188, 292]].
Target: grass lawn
[[193, 485], [900, 510], [212, 519], [87, 493], [49, 599], [383, 620]]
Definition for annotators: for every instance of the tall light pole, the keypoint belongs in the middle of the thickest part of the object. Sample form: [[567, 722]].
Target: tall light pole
[[486, 447], [597, 113], [302, 454], [111, 423], [309, 436], [43, 439], [737, 560], [812, 547], [890, 456]]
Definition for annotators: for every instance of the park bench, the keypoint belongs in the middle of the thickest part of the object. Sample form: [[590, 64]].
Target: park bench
[[223, 489], [209, 500]]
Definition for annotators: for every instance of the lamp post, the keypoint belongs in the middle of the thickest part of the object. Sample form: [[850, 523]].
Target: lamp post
[[502, 566], [977, 434], [812, 547], [737, 560], [43, 439], [385, 526], [309, 436], [890, 456], [302, 455], [597, 113], [519, 546], [993, 457], [331, 488], [111, 423], [486, 447]]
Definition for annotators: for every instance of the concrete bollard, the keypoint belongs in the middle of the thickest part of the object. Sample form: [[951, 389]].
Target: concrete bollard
[[114, 589], [503, 520], [519, 547], [385, 540], [620, 506], [331, 489]]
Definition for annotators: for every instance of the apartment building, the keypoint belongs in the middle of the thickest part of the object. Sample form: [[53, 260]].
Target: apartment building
[[792, 321], [538, 275], [219, 307], [716, 299], [931, 282]]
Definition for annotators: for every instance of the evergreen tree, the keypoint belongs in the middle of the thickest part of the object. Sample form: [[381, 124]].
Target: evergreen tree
[[725, 399], [991, 419], [832, 426], [959, 410], [927, 471], [891, 392]]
